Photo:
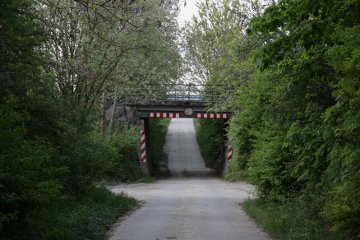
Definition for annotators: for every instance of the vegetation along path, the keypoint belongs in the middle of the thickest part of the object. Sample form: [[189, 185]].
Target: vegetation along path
[[193, 204]]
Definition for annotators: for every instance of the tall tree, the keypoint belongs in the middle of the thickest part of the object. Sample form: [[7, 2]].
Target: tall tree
[[19, 36], [218, 50], [309, 64], [94, 45]]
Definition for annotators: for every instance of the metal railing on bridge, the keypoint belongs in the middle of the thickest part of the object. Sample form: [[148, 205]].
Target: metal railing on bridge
[[152, 93]]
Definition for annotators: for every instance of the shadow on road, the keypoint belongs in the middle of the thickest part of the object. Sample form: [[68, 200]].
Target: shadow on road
[[198, 174]]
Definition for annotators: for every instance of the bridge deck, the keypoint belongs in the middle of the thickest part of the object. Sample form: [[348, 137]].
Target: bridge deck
[[183, 100]]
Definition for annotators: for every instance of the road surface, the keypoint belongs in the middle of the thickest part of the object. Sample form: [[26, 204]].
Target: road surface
[[192, 205]]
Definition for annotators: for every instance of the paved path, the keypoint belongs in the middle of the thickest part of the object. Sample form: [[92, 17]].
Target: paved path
[[193, 204]]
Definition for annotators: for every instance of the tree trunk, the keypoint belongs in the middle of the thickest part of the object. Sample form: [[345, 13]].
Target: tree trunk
[[103, 116], [112, 120]]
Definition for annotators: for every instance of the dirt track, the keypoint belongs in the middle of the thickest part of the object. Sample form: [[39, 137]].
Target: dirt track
[[193, 204]]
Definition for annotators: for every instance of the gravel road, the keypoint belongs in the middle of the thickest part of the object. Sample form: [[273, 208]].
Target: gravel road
[[193, 204]]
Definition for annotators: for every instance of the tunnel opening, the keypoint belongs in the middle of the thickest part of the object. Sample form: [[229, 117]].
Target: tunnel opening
[[185, 147], [212, 140]]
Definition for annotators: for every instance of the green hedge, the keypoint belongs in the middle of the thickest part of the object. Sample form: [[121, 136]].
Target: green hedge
[[209, 134], [38, 178], [293, 219], [157, 138], [67, 218]]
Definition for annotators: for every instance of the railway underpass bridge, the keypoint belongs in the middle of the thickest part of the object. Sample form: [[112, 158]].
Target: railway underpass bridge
[[175, 101]]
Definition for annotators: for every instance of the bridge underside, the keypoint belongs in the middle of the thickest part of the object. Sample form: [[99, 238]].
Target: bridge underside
[[177, 109]]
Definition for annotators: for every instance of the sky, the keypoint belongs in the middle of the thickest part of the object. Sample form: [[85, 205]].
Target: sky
[[186, 12]]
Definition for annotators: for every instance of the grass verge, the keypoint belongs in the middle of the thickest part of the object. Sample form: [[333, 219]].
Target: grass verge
[[68, 219], [290, 221]]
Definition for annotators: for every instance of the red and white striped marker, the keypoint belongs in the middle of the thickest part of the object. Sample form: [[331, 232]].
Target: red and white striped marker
[[198, 115], [229, 153], [163, 115], [142, 148], [212, 115]]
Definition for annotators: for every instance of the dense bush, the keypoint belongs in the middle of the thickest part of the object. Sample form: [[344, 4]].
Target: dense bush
[[297, 133], [157, 137], [294, 219], [91, 157], [53, 80], [47, 162], [125, 166], [296, 123], [26, 174], [210, 136], [67, 218], [38, 180]]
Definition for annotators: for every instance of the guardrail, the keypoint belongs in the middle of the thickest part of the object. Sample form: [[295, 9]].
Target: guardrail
[[175, 93]]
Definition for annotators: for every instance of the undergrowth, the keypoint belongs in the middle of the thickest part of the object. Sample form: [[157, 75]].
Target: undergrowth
[[89, 217], [209, 134], [292, 220], [157, 137]]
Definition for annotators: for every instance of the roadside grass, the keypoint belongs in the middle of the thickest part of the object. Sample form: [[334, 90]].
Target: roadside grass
[[143, 180], [234, 173], [77, 219], [289, 221]]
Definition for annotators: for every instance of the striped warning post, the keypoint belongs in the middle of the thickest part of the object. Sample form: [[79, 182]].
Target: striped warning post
[[163, 115], [229, 153], [143, 157], [212, 115]]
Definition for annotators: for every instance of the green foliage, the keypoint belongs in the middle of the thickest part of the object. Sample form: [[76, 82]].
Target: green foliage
[[19, 35], [51, 77], [37, 180], [157, 137], [293, 219], [341, 202], [210, 136], [125, 166], [144, 180], [245, 127], [218, 48], [26, 172], [300, 132], [101, 47], [296, 125], [91, 157], [89, 217], [317, 148]]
